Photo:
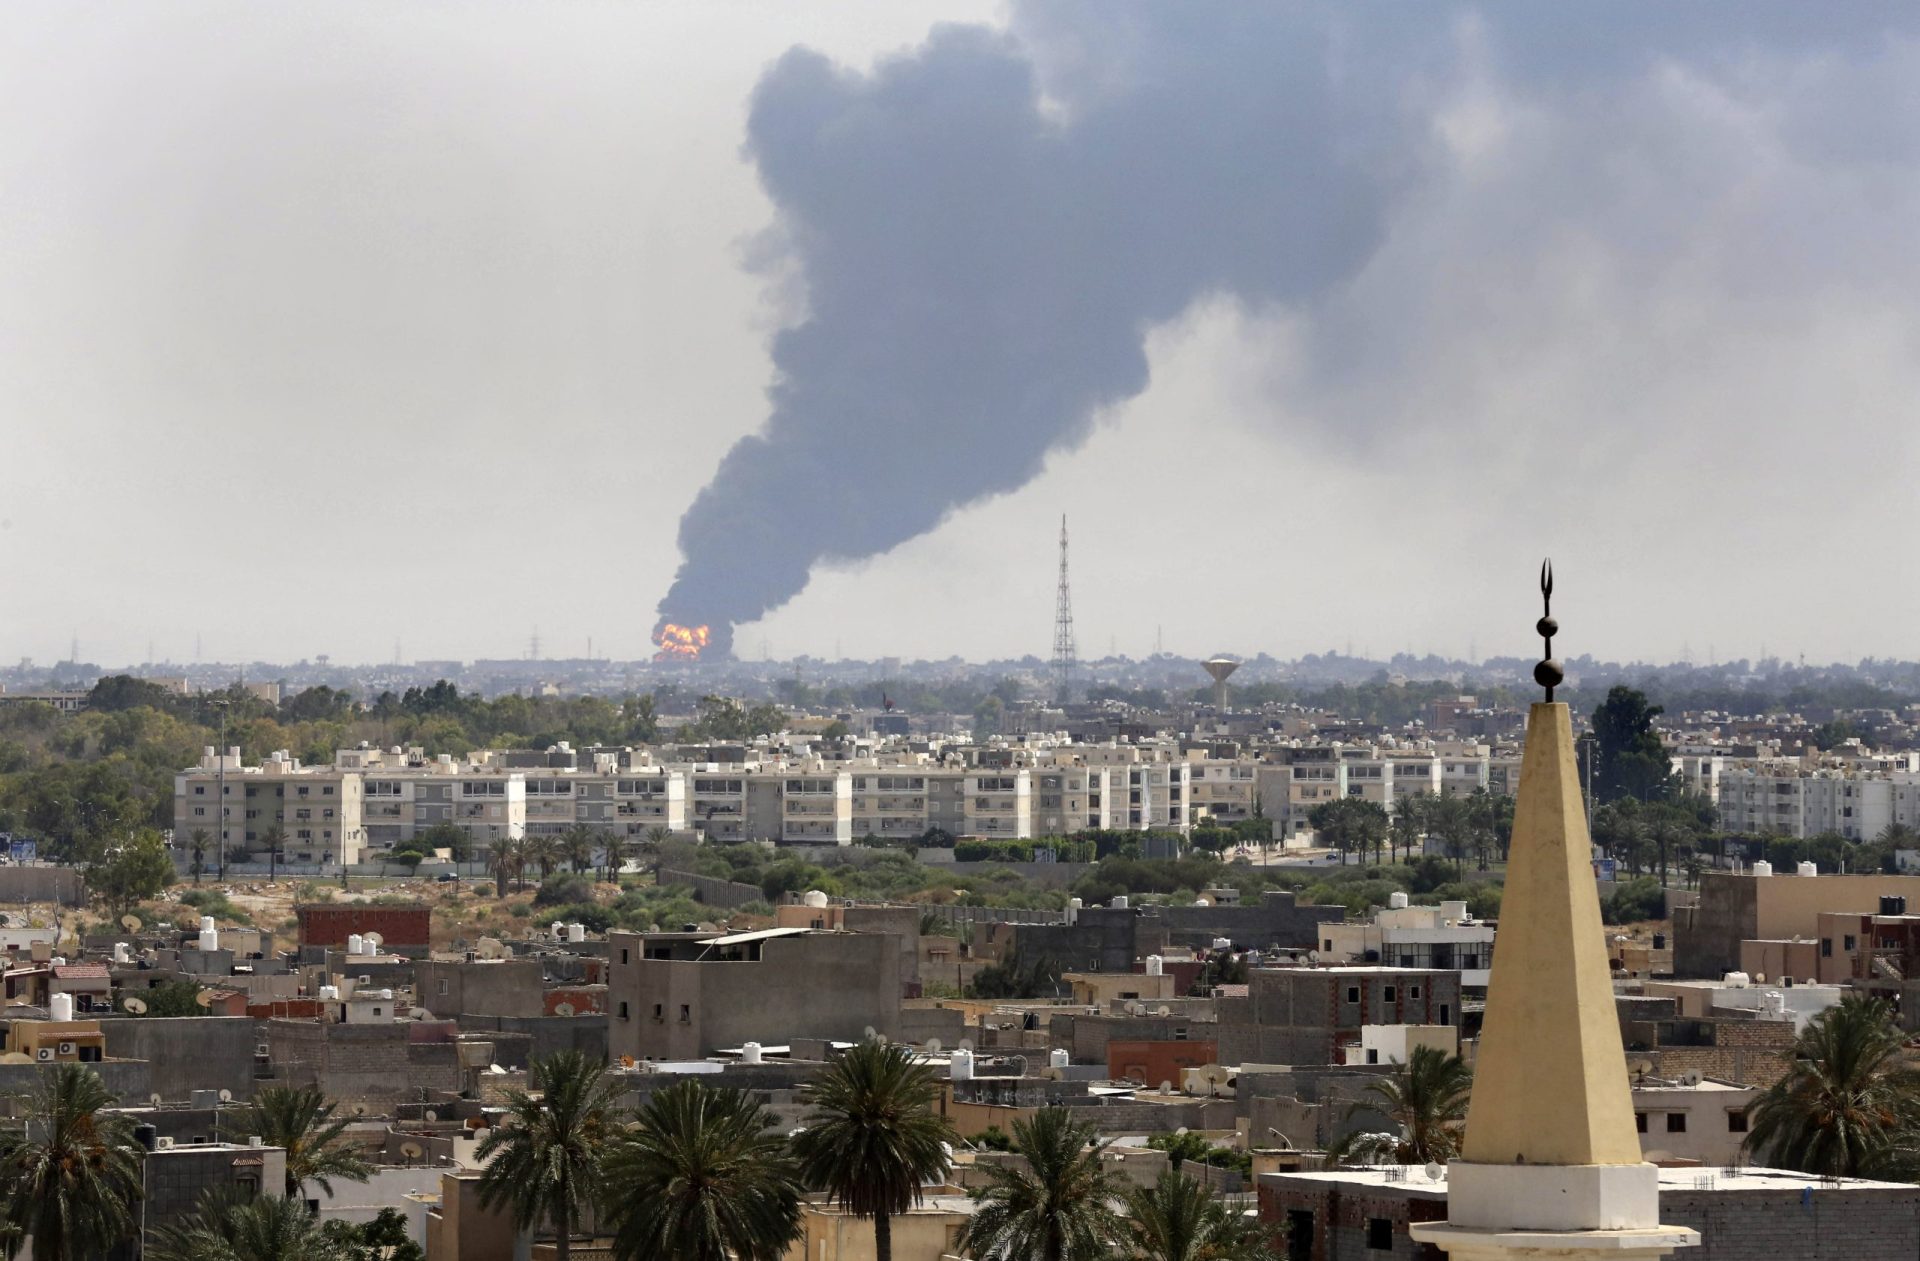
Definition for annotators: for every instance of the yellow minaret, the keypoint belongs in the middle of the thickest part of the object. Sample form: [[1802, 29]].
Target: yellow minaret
[[1550, 1165]]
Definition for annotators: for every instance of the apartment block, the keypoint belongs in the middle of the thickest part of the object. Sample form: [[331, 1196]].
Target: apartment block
[[317, 810]]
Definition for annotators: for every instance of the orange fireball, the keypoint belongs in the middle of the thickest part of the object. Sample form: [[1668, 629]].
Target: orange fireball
[[681, 643]]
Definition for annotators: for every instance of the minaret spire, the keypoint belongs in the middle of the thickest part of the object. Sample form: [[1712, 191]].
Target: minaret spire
[[1550, 1164]]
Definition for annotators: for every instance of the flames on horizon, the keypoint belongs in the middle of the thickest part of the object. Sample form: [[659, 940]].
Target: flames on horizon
[[681, 643]]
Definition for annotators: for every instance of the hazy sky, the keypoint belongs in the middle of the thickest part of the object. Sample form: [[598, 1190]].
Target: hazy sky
[[324, 326]]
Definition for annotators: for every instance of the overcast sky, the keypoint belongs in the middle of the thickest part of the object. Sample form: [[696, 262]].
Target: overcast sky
[[324, 326]]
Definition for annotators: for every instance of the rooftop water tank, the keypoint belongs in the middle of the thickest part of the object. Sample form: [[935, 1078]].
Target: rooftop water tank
[[329, 993], [1120, 903], [1073, 910], [356, 944], [813, 897], [1807, 869], [1763, 868], [1222, 943], [206, 923], [60, 1007], [961, 1064], [209, 935], [750, 1053], [576, 932], [1058, 1057], [1396, 901], [1156, 966], [120, 954], [1737, 980]]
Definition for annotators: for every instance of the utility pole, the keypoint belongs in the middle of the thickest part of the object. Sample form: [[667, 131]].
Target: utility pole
[[1063, 649]]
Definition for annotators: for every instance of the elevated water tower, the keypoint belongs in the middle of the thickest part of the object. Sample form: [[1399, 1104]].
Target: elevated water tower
[[1221, 668]]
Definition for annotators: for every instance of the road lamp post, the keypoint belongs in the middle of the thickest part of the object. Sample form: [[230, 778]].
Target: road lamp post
[[221, 771]]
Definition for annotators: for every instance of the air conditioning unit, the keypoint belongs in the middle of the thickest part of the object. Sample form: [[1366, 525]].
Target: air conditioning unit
[[66, 1048], [43, 1054], [163, 1144]]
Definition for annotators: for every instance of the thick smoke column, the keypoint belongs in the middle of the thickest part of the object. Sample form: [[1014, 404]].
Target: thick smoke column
[[985, 230]]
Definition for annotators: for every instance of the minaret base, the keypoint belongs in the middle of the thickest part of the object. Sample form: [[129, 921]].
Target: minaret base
[[1496, 1212]]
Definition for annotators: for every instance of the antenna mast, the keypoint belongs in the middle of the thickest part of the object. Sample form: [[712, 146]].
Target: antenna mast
[[1064, 661]]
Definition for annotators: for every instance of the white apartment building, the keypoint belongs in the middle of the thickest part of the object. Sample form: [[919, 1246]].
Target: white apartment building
[[1224, 789], [1442, 936], [317, 810], [1774, 799]]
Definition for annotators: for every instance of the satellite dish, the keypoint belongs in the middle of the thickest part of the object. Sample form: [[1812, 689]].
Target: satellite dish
[[431, 1115], [412, 1151], [1435, 1170], [373, 939], [869, 1033], [563, 1009], [359, 1109], [226, 1096], [155, 1099], [1166, 1088], [138, 1006], [490, 948], [204, 998], [965, 1044], [1163, 1010], [1313, 956], [130, 922], [933, 1046]]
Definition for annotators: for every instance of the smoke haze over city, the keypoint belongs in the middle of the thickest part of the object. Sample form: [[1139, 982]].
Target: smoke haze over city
[[1320, 324]]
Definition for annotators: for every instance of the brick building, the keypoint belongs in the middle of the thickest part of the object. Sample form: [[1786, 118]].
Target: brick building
[[1310, 1015], [403, 930], [1151, 1063]]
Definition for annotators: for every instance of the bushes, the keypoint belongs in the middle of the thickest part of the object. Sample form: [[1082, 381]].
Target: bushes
[[1634, 901], [1065, 851], [558, 889], [213, 902]]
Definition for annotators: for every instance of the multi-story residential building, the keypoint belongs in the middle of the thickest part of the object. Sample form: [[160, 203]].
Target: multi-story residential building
[[314, 811], [1225, 790], [1769, 799]]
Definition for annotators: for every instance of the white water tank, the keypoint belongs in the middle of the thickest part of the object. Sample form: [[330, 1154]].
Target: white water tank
[[1058, 1057], [1222, 943], [1120, 903], [209, 935], [814, 898], [1073, 910], [961, 1064], [1396, 901], [1763, 868], [1156, 966], [60, 1007], [1736, 980], [1807, 869], [750, 1053], [329, 993], [356, 944], [576, 932], [206, 923], [120, 953]]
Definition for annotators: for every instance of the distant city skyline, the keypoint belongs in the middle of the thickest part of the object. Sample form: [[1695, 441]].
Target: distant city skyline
[[363, 324]]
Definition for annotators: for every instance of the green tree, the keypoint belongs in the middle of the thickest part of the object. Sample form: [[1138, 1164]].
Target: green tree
[[1427, 1098], [873, 1137], [506, 855], [448, 836], [1849, 1103], [301, 1120], [382, 1239], [69, 1180], [1056, 1208], [1408, 824], [254, 1228], [577, 843], [274, 838], [131, 871], [702, 1176], [543, 1162], [173, 998], [1179, 1219], [1630, 760]]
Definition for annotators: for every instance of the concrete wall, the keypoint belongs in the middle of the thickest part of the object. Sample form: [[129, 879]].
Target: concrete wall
[[544, 1036], [188, 1053], [1305, 1015], [372, 1064], [1735, 908], [43, 884], [128, 1080], [711, 890], [1833, 1224]]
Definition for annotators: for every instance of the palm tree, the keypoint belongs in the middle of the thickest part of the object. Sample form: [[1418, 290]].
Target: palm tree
[[1057, 1207], [197, 847], [1848, 1104], [274, 837], [1179, 1219], [617, 847], [259, 1228], [577, 845], [301, 1120], [70, 1179], [874, 1138], [1427, 1098], [1404, 831], [544, 1162], [539, 850], [505, 856], [704, 1176]]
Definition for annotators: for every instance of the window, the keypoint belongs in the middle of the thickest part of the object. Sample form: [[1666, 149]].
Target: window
[[1390, 995], [1380, 1234], [1826, 947], [1413, 993], [1353, 993], [443, 985], [686, 1014], [623, 954], [1640, 1122], [1849, 943], [1736, 1123], [1446, 1014], [623, 1009], [1676, 1123], [659, 1012], [1299, 1234]]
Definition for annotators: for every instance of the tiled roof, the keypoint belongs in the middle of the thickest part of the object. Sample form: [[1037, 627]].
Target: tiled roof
[[81, 971]]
